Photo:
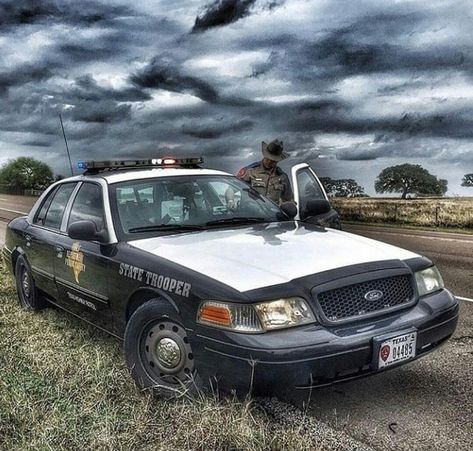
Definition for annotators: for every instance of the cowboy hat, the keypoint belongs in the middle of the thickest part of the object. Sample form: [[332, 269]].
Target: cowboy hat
[[273, 150]]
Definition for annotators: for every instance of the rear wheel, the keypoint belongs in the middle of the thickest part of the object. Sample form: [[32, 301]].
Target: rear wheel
[[158, 352], [28, 295]]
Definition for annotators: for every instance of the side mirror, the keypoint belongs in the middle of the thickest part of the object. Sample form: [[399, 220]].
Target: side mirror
[[316, 208], [86, 231], [289, 209]]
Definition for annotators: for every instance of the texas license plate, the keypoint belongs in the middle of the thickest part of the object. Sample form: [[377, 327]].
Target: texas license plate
[[397, 349]]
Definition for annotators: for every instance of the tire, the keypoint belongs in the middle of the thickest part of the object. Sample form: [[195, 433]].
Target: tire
[[158, 353], [26, 290]]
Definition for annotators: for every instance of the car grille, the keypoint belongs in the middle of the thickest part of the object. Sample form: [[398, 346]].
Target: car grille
[[340, 304]]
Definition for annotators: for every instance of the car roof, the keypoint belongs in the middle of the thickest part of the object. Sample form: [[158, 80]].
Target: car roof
[[125, 175]]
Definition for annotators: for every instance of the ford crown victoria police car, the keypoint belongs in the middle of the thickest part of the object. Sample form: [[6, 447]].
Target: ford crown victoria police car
[[238, 296]]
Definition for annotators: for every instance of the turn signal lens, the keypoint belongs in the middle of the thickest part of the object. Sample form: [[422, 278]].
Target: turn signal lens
[[217, 314], [236, 317]]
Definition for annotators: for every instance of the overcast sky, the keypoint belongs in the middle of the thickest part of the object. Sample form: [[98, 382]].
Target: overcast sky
[[350, 86]]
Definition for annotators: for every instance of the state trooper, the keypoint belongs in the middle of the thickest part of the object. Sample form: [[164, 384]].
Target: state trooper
[[266, 177]]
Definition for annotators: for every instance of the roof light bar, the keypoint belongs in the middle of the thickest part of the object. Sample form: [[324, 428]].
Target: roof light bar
[[96, 166]]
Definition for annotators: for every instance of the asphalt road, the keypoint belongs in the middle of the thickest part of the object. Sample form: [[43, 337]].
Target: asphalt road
[[427, 404], [13, 206]]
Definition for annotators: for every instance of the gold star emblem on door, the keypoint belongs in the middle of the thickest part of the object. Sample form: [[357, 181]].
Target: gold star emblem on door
[[75, 260]]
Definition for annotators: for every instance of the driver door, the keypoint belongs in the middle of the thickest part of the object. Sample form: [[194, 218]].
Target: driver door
[[307, 186], [81, 267]]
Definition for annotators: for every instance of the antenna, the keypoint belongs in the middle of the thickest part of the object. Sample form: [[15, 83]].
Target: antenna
[[67, 147]]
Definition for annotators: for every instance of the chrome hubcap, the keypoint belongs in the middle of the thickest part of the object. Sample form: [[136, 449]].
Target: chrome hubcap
[[168, 353]]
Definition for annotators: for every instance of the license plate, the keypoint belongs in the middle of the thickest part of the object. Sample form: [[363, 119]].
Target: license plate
[[397, 349]]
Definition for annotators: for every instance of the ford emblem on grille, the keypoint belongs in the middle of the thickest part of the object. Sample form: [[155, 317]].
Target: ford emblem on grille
[[374, 295]]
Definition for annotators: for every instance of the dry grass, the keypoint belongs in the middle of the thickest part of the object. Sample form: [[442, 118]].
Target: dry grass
[[435, 212], [64, 385]]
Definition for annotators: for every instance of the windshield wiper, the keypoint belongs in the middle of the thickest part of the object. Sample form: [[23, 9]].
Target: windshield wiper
[[165, 228], [236, 220]]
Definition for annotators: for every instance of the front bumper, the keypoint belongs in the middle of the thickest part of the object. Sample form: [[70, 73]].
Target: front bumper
[[314, 355]]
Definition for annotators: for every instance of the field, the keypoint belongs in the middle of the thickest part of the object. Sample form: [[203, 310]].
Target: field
[[432, 212], [64, 385]]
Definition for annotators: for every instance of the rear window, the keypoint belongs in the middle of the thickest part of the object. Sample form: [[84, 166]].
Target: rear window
[[41, 214], [57, 206]]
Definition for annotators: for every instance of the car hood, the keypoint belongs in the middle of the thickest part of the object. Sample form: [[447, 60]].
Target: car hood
[[247, 258]]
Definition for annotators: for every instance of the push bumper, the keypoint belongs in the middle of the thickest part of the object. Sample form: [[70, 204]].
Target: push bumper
[[315, 356]]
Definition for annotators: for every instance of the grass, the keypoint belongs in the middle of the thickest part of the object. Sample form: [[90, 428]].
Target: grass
[[388, 225], [64, 385], [440, 213]]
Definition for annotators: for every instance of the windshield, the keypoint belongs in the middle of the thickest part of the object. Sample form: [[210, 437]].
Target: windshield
[[188, 203]]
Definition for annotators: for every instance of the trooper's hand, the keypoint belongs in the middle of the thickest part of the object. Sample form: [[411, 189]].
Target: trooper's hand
[[231, 204]]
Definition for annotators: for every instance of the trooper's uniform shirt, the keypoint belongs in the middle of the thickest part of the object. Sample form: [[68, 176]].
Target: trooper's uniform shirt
[[273, 184]]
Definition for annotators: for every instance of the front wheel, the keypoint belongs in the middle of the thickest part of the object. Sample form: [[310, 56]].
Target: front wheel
[[158, 352], [28, 295]]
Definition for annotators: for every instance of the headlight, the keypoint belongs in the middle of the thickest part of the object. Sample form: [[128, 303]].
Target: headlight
[[282, 313], [254, 318], [429, 280]]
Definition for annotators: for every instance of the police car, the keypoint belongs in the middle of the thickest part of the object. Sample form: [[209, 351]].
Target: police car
[[245, 296]]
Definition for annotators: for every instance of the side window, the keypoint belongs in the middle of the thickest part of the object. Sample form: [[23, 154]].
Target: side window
[[88, 205], [57, 206], [41, 214], [309, 188]]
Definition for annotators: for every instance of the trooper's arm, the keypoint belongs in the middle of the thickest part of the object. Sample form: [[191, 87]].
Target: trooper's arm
[[244, 174], [287, 194], [230, 198]]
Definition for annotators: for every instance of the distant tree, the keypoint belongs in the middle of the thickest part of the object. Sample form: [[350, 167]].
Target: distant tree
[[435, 187], [26, 173], [467, 180], [348, 188], [409, 179], [342, 187], [329, 185]]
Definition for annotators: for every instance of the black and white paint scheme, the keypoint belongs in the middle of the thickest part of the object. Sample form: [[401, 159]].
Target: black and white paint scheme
[[349, 86]]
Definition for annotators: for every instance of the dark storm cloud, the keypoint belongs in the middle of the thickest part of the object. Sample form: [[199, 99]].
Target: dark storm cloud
[[161, 74], [373, 44], [217, 130], [320, 106], [105, 111], [22, 74], [349, 56], [29, 12], [166, 74], [222, 12], [86, 88], [363, 80], [388, 129], [37, 143], [405, 149]]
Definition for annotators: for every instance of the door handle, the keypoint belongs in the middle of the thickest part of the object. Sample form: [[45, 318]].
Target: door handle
[[59, 251]]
